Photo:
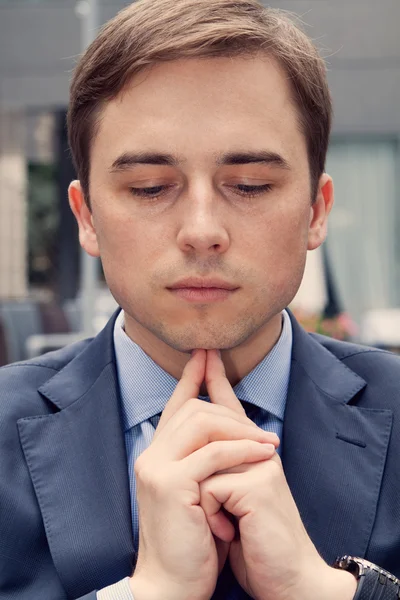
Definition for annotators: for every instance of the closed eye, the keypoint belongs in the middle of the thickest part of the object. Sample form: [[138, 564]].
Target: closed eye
[[149, 192], [252, 190], [241, 189]]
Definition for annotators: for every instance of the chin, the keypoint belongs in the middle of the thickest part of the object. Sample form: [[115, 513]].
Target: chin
[[188, 348], [186, 342], [206, 333]]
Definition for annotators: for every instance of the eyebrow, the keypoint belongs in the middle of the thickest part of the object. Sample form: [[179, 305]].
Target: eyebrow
[[127, 160]]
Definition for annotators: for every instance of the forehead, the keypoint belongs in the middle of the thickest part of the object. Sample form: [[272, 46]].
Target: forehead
[[195, 106]]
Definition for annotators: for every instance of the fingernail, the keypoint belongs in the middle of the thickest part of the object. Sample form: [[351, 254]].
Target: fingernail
[[267, 435], [270, 448]]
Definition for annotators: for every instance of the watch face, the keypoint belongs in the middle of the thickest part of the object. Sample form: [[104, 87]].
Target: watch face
[[349, 563]]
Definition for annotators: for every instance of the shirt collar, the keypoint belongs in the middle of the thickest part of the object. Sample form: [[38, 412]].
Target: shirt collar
[[145, 387]]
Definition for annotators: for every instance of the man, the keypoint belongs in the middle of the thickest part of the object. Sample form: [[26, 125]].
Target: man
[[199, 129]]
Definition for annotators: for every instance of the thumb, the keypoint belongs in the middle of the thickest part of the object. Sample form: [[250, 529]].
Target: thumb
[[218, 387]]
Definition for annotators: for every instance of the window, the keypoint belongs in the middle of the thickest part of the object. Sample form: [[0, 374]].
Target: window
[[364, 227]]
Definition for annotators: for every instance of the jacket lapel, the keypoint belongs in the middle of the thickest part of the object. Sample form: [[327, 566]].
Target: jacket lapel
[[333, 452], [77, 462]]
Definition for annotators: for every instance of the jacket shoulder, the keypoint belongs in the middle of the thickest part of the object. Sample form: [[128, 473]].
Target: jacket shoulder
[[379, 368], [55, 360], [19, 382], [347, 350]]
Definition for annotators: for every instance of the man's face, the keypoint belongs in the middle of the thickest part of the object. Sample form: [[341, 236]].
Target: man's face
[[199, 170]]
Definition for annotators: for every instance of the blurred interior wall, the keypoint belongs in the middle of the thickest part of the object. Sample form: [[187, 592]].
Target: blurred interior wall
[[13, 181]]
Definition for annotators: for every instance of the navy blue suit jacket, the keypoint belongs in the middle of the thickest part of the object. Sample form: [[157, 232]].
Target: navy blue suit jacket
[[65, 520]]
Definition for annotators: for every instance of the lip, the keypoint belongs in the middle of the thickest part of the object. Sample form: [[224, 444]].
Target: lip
[[202, 295], [202, 290], [203, 283]]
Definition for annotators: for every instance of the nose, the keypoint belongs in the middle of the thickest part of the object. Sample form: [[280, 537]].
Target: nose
[[202, 230]]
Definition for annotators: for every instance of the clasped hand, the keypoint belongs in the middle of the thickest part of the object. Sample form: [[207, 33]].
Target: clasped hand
[[208, 467]]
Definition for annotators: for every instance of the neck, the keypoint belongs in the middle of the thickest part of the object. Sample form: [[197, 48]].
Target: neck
[[238, 361]]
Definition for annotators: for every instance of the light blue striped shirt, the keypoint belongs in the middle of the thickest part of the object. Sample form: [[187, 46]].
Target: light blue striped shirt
[[145, 389]]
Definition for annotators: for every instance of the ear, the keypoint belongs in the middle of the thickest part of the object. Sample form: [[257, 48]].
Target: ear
[[319, 212], [83, 215]]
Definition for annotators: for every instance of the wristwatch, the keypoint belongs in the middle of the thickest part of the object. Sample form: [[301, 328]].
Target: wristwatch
[[374, 583]]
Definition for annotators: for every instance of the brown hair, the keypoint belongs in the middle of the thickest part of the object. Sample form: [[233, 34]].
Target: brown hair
[[151, 31]]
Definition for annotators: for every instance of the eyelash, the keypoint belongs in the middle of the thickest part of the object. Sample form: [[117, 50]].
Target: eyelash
[[155, 192]]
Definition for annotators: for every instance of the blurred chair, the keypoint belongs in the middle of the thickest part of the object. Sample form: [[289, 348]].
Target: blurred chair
[[20, 319], [72, 310], [53, 318], [56, 331], [42, 343], [29, 328]]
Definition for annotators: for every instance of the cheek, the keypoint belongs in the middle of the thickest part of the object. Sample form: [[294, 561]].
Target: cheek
[[278, 247], [125, 257], [281, 236], [129, 250]]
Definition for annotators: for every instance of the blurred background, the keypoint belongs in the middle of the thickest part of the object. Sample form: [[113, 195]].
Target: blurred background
[[50, 293]]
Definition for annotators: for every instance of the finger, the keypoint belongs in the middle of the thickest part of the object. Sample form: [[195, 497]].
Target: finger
[[239, 469], [246, 467], [222, 551], [217, 519], [214, 493], [218, 387], [217, 492], [221, 455], [240, 492], [205, 428], [199, 411], [187, 387], [220, 525]]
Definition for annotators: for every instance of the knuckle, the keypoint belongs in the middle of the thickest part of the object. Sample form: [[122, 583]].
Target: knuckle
[[206, 486], [150, 480], [144, 469], [140, 467], [201, 420], [275, 469], [192, 405], [198, 419], [216, 451], [272, 472], [155, 478]]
